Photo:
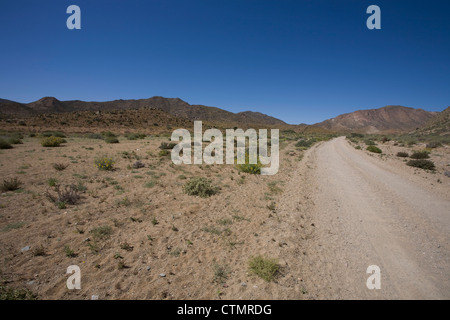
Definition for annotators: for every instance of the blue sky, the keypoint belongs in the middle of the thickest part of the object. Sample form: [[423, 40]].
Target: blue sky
[[300, 61]]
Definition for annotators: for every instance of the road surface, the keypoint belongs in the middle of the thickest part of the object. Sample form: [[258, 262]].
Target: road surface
[[368, 213]]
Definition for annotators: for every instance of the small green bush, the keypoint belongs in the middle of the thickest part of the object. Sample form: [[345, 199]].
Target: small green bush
[[305, 143], [15, 140], [104, 163], [164, 153], [52, 141], [5, 144], [167, 146], [374, 149], [370, 143], [402, 154], [265, 268], [200, 187], [109, 139], [58, 134], [422, 164], [420, 155]]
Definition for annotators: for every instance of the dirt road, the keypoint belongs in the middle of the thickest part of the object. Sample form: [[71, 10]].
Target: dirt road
[[366, 212]]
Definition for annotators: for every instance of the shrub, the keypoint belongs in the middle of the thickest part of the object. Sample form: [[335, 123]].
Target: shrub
[[402, 154], [58, 134], [52, 141], [135, 136], [252, 168], [421, 163], [356, 135], [265, 268], [374, 149], [10, 184], [7, 293], [200, 187], [370, 143], [67, 195], [305, 143], [167, 146], [14, 140], [138, 164], [5, 144], [101, 233], [111, 139], [52, 182], [60, 166], [420, 155], [95, 136], [164, 153], [433, 145], [104, 163]]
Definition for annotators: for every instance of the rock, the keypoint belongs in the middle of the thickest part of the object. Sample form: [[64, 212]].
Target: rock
[[148, 268], [162, 275], [243, 284], [25, 249], [94, 297]]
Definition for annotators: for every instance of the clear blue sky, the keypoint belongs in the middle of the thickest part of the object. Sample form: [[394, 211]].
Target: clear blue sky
[[300, 61]]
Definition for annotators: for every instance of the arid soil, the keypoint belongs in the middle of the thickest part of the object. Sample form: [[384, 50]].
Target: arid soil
[[329, 213]]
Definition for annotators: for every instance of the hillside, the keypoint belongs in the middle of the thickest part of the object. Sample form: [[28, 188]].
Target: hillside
[[174, 106], [439, 124], [387, 119]]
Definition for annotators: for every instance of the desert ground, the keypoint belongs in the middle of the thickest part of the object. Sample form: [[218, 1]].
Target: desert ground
[[330, 212]]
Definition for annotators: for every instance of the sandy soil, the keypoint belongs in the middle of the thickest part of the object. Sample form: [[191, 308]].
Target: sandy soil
[[372, 210], [326, 216]]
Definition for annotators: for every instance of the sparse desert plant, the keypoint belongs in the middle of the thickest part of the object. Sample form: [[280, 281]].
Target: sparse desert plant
[[422, 164], [8, 293], [10, 184], [138, 164], [164, 153], [369, 142], [420, 155], [52, 182], [135, 136], [102, 233], [402, 154], [69, 252], [126, 246], [110, 139], [167, 146], [39, 251], [200, 187], [305, 143], [265, 268], [52, 141], [60, 166], [374, 149], [14, 140], [104, 163], [63, 196], [5, 144], [221, 273], [58, 134]]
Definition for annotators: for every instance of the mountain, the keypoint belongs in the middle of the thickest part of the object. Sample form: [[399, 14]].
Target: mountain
[[439, 124], [173, 106], [389, 119]]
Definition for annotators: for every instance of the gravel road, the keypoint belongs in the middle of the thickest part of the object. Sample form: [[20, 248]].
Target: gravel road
[[367, 212]]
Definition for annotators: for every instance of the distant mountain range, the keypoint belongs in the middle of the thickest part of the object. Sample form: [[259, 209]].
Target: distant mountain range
[[173, 106], [387, 119]]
